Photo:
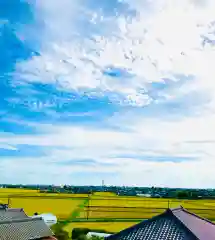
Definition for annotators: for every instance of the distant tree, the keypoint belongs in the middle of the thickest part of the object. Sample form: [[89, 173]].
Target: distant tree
[[84, 237], [182, 194], [194, 195]]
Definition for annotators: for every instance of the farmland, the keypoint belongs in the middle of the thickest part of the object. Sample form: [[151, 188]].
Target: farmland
[[61, 205], [141, 208], [101, 210]]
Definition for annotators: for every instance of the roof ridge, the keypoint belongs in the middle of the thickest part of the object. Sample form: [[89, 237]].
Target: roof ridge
[[180, 222], [15, 209], [178, 208], [21, 220], [197, 216], [185, 225]]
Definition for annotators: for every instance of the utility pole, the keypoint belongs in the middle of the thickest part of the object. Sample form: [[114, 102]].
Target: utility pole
[[8, 202], [88, 206]]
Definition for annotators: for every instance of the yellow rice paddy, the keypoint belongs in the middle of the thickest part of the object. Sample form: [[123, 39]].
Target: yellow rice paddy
[[101, 206]]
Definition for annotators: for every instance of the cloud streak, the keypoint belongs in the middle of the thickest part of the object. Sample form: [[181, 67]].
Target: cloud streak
[[123, 87]]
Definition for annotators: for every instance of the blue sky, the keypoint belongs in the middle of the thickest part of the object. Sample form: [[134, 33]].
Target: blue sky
[[113, 90]]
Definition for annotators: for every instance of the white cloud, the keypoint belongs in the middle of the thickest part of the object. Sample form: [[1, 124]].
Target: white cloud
[[163, 41], [7, 147], [153, 45], [147, 138]]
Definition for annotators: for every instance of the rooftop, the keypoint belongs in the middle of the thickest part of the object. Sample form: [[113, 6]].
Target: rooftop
[[173, 224], [12, 213], [16, 225]]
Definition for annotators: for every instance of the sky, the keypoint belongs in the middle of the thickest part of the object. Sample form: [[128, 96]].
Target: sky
[[115, 90]]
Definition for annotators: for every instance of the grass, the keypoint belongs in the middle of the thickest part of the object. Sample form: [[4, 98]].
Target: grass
[[76, 212], [108, 226]]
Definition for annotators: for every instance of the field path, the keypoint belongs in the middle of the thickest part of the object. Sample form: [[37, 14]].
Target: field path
[[75, 213]]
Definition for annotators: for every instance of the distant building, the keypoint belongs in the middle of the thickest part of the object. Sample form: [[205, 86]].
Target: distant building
[[96, 234], [48, 218], [173, 224], [144, 195]]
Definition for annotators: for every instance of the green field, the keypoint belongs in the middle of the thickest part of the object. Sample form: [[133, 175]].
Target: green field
[[101, 210]]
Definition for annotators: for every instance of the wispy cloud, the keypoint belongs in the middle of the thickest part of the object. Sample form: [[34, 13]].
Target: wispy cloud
[[123, 87]]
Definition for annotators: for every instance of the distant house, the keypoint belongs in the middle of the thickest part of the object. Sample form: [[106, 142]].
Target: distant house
[[173, 224], [144, 195], [156, 195], [96, 234], [16, 225]]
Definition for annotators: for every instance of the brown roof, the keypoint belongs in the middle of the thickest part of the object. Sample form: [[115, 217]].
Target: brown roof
[[173, 224]]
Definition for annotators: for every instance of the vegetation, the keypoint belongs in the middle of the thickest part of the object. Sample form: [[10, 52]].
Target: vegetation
[[80, 233], [104, 211], [184, 194], [102, 226], [59, 232], [96, 238]]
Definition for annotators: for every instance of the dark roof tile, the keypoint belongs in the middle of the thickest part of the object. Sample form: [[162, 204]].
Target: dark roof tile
[[174, 224], [200, 227], [162, 227]]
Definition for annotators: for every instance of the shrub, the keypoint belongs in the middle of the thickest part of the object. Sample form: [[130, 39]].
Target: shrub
[[78, 233], [60, 234]]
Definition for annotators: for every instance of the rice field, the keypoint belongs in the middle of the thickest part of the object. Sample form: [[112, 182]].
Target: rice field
[[61, 205], [123, 212], [113, 212], [141, 208], [62, 208], [6, 192]]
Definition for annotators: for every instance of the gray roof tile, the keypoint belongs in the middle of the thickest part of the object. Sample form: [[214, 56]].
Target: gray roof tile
[[12, 213], [24, 229]]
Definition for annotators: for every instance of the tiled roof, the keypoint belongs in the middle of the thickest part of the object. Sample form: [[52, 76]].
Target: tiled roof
[[161, 227], [174, 224], [24, 229], [12, 213], [16, 225], [200, 227]]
